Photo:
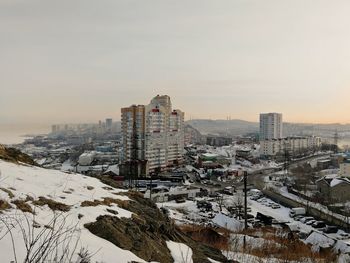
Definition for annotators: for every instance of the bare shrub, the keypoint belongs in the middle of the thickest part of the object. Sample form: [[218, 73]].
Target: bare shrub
[[9, 192], [4, 205], [23, 206], [105, 201], [54, 205], [57, 241]]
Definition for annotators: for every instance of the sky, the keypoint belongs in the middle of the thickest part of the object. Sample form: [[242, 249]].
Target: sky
[[81, 60]]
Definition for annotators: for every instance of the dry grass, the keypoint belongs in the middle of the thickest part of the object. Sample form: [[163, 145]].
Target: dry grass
[[90, 187], [106, 201], [182, 210], [277, 245], [138, 220], [55, 206], [29, 198], [10, 194], [4, 205], [23, 206], [217, 238]]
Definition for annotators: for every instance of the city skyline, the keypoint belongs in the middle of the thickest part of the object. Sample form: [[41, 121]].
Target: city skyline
[[82, 61]]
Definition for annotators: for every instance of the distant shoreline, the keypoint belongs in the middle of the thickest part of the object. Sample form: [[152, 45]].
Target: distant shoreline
[[16, 134]]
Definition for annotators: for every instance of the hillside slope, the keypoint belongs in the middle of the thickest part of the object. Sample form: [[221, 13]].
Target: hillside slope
[[87, 219], [223, 127], [14, 155]]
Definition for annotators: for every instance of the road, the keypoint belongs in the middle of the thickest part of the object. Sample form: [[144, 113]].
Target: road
[[257, 179]]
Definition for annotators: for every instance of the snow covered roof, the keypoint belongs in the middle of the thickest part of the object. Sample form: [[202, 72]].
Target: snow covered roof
[[113, 168], [209, 155], [334, 180], [228, 222], [319, 240]]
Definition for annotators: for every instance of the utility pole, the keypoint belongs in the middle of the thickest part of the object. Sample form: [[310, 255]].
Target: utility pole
[[245, 175], [150, 189], [286, 160], [336, 138]]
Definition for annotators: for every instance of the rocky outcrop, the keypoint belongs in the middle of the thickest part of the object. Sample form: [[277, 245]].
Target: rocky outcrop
[[15, 156], [146, 233]]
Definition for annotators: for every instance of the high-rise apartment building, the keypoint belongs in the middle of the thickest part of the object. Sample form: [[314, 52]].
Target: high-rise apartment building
[[109, 124], [152, 136], [270, 126]]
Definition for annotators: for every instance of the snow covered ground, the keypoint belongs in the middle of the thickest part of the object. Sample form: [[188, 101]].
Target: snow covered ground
[[71, 189], [181, 253], [188, 213]]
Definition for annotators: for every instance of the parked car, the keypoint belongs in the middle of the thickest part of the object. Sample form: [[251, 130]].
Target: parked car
[[303, 235], [275, 206], [297, 218], [306, 218], [343, 235], [330, 229], [310, 222], [319, 224], [297, 211], [180, 200], [254, 197]]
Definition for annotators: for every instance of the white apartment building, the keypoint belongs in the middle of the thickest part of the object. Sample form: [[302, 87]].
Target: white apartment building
[[271, 126], [293, 145], [153, 135], [344, 168]]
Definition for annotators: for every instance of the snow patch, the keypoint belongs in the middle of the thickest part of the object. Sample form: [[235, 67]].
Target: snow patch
[[180, 252]]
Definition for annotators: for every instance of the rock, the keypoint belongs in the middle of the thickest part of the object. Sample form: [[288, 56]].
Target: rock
[[146, 233]]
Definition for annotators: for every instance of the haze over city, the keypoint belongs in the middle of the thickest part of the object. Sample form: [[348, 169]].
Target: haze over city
[[81, 61], [171, 131]]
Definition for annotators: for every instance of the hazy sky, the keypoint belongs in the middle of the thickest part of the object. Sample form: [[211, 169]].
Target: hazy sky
[[77, 61]]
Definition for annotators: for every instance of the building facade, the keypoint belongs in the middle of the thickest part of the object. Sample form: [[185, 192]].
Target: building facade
[[294, 145], [271, 126], [152, 136], [334, 189], [218, 141], [344, 168]]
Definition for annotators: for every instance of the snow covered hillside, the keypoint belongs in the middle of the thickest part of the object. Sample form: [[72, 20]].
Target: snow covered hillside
[[19, 182], [40, 208]]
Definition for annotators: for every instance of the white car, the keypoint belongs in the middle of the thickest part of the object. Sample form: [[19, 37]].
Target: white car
[[310, 222], [275, 206], [307, 218], [343, 235]]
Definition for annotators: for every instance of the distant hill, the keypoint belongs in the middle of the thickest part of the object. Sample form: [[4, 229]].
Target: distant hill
[[241, 127], [224, 127]]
